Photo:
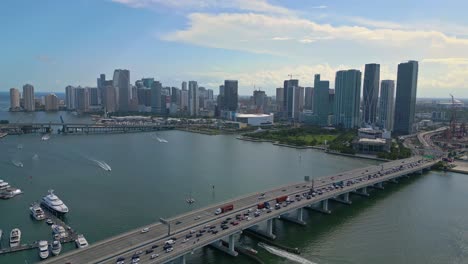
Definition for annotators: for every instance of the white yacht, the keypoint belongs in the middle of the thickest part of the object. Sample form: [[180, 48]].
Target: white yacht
[[37, 212], [53, 203], [15, 237], [59, 230], [81, 241], [43, 249], [56, 247], [3, 185]]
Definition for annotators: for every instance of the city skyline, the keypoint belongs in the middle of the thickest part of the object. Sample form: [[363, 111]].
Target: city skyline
[[184, 45]]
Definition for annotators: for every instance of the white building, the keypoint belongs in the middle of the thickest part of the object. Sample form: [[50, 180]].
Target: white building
[[255, 119], [14, 98]]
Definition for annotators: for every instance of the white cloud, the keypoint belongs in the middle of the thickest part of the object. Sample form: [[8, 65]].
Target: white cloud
[[320, 7], [280, 38], [448, 61]]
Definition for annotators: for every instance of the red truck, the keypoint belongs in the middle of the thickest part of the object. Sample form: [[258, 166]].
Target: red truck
[[224, 209], [281, 199]]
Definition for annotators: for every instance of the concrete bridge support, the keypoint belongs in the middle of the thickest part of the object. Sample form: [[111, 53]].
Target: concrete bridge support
[[362, 192], [323, 208], [377, 186], [229, 249], [393, 181], [268, 233], [344, 198], [297, 220]]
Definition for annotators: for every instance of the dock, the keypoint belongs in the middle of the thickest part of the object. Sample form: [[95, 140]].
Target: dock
[[71, 235]]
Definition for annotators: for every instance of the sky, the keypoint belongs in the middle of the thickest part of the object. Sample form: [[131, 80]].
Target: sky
[[55, 43]]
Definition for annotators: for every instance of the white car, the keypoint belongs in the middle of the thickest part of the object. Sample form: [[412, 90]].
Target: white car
[[154, 256], [185, 240], [169, 249], [144, 230]]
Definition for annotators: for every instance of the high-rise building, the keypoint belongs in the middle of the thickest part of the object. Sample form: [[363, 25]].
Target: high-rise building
[[209, 94], [70, 95], [148, 82], [321, 103], [109, 98], [279, 99], [28, 98], [184, 86], [100, 87], [123, 89], [175, 96], [82, 99], [184, 100], [387, 104], [288, 97], [156, 106], [347, 98], [14, 99], [405, 101], [371, 93], [230, 95], [309, 98], [194, 102], [260, 101], [93, 96], [298, 101], [52, 102]]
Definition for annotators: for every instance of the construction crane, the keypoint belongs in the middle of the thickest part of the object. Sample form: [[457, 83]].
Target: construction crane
[[290, 76]]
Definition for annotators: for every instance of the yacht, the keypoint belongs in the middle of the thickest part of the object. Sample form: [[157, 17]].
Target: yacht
[[15, 237], [59, 230], [81, 241], [43, 249], [53, 203], [37, 212], [3, 185], [56, 247]]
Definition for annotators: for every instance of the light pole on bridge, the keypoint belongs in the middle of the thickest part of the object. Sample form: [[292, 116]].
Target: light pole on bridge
[[166, 222]]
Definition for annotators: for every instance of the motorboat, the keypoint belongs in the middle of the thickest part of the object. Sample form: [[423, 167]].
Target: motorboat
[[56, 247], [81, 242], [53, 203], [43, 249], [15, 237], [3, 185], [17, 163], [45, 137], [59, 230], [49, 221], [37, 212]]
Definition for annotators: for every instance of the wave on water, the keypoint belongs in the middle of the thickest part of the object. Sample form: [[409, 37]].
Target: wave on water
[[101, 164], [161, 140], [17, 163], [285, 254]]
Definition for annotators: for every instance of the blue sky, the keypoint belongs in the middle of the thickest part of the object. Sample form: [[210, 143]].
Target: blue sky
[[54, 43]]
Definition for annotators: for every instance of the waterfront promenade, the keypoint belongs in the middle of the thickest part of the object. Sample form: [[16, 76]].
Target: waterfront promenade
[[128, 243]]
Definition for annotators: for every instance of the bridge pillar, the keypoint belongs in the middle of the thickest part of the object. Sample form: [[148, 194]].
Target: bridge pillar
[[268, 233], [393, 181], [297, 220], [230, 249], [323, 207], [362, 192], [344, 199], [182, 259], [378, 185]]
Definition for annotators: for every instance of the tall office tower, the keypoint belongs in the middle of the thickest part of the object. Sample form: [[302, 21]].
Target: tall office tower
[[51, 102], [82, 99], [139, 84], [279, 99], [220, 98], [331, 100], [123, 89], [321, 105], [148, 82], [309, 98], [110, 98], [184, 86], [288, 97], [14, 99], [260, 101], [230, 95], [194, 104], [28, 97], [371, 92], [156, 106], [387, 104], [209, 94], [100, 86], [347, 98], [405, 101], [184, 105], [93, 96], [298, 101], [70, 94], [175, 96]]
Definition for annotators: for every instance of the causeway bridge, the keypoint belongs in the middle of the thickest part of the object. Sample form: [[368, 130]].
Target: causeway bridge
[[313, 194]]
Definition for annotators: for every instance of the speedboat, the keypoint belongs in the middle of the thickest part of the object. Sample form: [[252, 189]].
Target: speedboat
[[81, 241], [43, 249], [56, 247], [53, 203], [37, 212], [45, 137], [49, 221], [59, 230], [15, 237]]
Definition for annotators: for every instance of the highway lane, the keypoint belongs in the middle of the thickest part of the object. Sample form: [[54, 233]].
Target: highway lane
[[207, 238], [129, 241]]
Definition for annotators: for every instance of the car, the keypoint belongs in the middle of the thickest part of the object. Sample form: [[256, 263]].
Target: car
[[178, 222], [120, 260], [197, 217], [135, 260], [202, 231], [169, 249], [214, 232], [185, 240], [154, 256], [139, 252], [145, 230], [170, 242], [192, 231], [199, 235], [225, 227], [188, 236], [212, 227], [173, 238], [277, 206], [154, 246], [229, 218], [269, 211], [234, 223], [148, 251], [248, 218]]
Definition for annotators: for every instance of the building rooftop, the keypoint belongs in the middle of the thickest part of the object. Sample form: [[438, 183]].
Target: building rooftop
[[252, 115]]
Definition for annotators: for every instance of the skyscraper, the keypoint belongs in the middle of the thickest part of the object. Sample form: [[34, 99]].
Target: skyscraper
[[148, 82], [93, 96], [51, 102], [100, 87], [260, 100], [14, 99], [279, 99], [82, 99], [184, 86], [288, 97], [156, 97], [309, 98], [387, 104], [230, 95], [321, 105], [28, 97], [70, 95], [184, 100], [109, 98], [405, 101], [371, 92], [298, 101], [194, 104], [347, 98], [123, 89]]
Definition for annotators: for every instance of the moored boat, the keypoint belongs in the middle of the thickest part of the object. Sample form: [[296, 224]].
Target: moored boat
[[37, 212], [56, 247], [81, 241], [43, 249], [15, 237]]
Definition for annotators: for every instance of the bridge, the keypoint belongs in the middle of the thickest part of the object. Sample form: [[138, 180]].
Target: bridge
[[314, 195]]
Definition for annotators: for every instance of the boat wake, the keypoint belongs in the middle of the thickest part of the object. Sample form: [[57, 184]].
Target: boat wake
[[285, 254], [161, 140], [17, 163], [102, 164]]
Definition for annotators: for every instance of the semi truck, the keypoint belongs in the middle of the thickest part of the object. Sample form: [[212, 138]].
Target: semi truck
[[224, 209]]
